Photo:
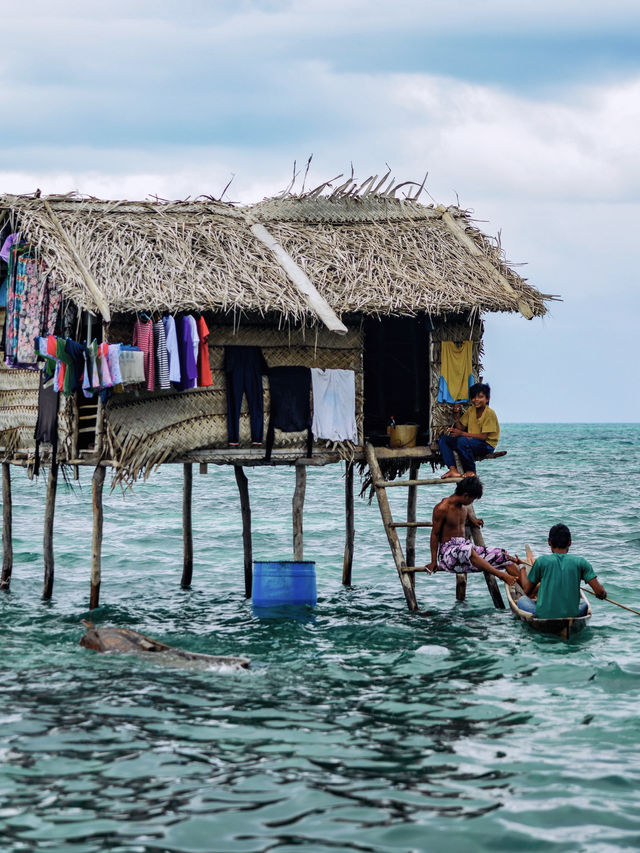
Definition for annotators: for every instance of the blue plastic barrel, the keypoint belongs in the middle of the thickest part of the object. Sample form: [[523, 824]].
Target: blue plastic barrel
[[284, 582]]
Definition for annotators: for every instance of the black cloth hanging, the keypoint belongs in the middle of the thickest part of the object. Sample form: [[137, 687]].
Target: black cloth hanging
[[47, 421], [244, 367], [290, 392]]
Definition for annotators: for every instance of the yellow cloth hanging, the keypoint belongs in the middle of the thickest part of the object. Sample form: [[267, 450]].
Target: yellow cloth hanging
[[456, 371]]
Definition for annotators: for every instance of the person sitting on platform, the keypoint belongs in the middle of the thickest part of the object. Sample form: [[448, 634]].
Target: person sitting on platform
[[451, 551], [559, 574], [474, 434]]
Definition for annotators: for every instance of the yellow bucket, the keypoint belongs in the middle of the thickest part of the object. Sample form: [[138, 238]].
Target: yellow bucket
[[402, 435]]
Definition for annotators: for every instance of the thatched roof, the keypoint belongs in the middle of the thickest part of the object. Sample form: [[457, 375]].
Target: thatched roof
[[366, 252]]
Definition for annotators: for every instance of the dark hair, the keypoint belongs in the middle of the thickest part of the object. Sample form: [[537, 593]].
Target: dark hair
[[559, 536], [469, 487], [480, 388]]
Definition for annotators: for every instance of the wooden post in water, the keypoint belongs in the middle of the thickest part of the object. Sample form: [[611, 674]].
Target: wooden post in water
[[47, 544], [7, 538], [492, 583], [297, 509], [187, 529], [412, 504], [245, 509], [349, 525], [96, 537]]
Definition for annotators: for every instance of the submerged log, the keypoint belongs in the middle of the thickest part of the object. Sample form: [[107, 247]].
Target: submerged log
[[126, 641]]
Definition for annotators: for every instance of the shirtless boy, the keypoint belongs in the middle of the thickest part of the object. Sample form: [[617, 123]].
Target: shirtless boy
[[452, 552]]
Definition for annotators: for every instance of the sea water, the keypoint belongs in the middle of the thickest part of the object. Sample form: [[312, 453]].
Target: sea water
[[360, 726]]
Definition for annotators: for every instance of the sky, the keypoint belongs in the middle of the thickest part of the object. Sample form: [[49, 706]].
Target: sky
[[527, 114]]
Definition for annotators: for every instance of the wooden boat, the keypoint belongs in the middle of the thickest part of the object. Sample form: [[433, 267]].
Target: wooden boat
[[126, 641], [563, 628]]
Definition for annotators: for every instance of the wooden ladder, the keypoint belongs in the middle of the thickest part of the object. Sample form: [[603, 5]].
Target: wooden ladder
[[405, 566]]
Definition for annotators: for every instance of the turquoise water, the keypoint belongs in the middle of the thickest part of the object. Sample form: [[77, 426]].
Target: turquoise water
[[360, 727]]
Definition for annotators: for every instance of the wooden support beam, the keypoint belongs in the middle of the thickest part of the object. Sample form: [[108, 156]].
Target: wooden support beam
[[47, 544], [347, 562], [392, 536], [412, 503], [7, 536], [461, 586], [297, 511], [187, 528], [492, 583], [411, 524], [388, 484], [245, 509], [96, 538]]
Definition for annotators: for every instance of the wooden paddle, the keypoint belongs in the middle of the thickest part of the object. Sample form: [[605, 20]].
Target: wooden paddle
[[611, 601]]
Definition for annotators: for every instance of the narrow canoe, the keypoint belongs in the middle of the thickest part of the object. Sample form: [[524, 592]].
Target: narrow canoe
[[563, 628]]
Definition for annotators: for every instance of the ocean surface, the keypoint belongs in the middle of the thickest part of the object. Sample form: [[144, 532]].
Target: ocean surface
[[360, 726]]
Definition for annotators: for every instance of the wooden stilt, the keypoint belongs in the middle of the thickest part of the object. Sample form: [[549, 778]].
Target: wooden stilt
[[245, 509], [47, 545], [187, 529], [96, 538], [297, 511], [7, 538], [492, 583], [349, 526], [412, 503], [461, 586]]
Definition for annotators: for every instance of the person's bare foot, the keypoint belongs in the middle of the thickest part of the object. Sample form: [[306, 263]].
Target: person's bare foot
[[452, 472], [469, 474]]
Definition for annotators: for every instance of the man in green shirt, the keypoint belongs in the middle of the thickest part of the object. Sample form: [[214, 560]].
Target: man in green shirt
[[559, 575]]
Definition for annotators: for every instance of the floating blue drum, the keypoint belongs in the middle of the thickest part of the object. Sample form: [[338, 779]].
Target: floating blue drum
[[284, 582]]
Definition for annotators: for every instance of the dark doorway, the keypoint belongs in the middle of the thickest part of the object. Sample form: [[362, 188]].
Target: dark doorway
[[396, 374]]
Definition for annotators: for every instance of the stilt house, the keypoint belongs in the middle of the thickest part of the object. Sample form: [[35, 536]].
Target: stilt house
[[352, 279]]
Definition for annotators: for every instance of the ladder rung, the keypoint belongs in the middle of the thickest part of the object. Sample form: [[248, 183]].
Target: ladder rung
[[386, 484], [411, 524]]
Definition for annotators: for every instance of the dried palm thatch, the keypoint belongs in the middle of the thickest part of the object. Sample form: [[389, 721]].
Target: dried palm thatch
[[363, 249]]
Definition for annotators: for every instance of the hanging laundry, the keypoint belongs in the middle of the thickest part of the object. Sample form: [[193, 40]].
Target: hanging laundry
[[162, 357], [188, 348], [334, 405], [290, 406], [32, 307], [243, 367], [456, 372], [103, 366], [143, 338], [113, 357], [204, 368], [131, 365], [173, 354]]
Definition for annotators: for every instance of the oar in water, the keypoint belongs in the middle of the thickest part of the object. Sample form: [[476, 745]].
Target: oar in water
[[611, 601]]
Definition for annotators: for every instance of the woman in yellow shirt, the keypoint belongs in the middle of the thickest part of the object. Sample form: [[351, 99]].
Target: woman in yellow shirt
[[475, 434]]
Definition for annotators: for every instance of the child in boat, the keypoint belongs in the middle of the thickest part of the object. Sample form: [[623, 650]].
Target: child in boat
[[559, 574], [474, 434], [451, 551]]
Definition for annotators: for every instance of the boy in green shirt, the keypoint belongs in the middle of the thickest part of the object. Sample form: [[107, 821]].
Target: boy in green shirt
[[559, 574]]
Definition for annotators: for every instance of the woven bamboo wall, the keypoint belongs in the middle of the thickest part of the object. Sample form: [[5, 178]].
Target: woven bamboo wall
[[19, 414]]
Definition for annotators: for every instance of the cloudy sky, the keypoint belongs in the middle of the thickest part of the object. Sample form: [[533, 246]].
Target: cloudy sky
[[527, 113]]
